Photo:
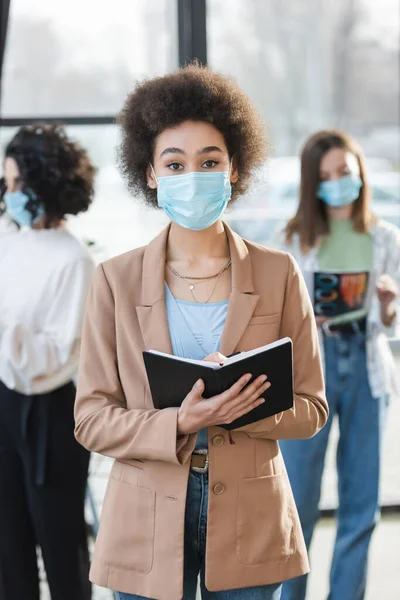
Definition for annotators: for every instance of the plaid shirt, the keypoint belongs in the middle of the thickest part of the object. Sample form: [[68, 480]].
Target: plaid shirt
[[382, 373]]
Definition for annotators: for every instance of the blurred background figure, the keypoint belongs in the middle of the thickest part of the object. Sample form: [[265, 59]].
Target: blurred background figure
[[45, 274], [334, 230]]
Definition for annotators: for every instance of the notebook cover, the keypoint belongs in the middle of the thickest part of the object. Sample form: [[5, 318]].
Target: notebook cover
[[171, 380]]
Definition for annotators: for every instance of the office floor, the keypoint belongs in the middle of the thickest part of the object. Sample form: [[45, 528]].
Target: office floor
[[384, 571]]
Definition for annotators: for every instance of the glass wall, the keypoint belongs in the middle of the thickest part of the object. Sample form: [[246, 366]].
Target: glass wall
[[81, 57], [307, 64], [311, 64]]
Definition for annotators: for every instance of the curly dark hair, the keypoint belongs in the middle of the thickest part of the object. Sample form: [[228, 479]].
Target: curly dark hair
[[193, 93], [56, 169]]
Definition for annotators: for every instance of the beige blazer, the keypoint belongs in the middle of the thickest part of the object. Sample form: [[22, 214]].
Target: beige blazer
[[254, 535]]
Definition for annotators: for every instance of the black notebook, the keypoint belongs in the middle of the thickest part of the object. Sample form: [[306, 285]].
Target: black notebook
[[171, 378]]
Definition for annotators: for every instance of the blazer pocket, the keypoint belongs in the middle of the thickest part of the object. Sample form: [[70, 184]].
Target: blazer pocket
[[261, 330], [126, 534], [131, 471], [265, 319], [264, 521]]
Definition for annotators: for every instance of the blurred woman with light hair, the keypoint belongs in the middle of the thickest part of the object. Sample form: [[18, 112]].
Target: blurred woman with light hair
[[335, 230]]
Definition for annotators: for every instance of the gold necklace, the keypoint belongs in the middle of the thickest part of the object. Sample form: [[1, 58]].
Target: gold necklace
[[199, 280]]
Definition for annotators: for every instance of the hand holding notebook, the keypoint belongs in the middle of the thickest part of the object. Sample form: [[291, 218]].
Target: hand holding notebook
[[197, 412], [224, 386]]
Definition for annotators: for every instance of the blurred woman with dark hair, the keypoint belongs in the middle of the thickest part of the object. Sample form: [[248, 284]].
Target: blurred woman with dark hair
[[335, 230], [45, 274]]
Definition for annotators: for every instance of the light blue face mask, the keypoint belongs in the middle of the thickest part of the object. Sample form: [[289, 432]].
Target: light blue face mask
[[195, 200], [16, 208], [340, 192]]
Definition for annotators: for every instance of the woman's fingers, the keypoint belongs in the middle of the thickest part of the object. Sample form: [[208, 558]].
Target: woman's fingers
[[196, 412], [243, 411], [320, 320], [260, 390], [243, 406], [237, 394], [215, 357], [243, 401], [235, 390]]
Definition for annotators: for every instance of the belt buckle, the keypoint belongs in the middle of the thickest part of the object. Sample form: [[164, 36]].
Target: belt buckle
[[326, 329], [204, 455], [355, 329]]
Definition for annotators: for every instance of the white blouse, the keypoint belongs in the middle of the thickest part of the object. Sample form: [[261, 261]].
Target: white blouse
[[45, 275], [383, 375]]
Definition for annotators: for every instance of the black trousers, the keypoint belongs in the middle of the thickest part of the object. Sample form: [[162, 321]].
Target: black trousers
[[43, 474]]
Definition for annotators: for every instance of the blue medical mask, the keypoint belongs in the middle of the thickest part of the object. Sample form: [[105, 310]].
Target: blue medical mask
[[16, 208], [195, 200], [340, 192]]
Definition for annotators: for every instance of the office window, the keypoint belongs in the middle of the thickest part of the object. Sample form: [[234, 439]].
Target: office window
[[312, 64], [81, 57]]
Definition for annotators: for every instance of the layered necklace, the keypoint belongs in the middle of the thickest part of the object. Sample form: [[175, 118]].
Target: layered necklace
[[192, 282]]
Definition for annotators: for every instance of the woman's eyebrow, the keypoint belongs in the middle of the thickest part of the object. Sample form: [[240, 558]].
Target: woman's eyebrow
[[208, 149], [172, 150], [338, 168]]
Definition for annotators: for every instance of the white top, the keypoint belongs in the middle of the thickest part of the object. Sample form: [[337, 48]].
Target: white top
[[7, 226], [45, 276], [382, 372]]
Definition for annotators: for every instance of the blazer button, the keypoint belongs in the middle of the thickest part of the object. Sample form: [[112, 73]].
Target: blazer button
[[218, 440], [218, 489]]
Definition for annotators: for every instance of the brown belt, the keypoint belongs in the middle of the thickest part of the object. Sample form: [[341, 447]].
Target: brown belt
[[199, 461], [352, 328]]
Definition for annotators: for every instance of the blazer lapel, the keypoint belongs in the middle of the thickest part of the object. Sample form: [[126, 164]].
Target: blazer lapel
[[152, 314], [240, 310], [243, 301]]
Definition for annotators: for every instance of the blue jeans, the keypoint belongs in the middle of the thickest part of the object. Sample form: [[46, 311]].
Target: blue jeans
[[361, 418], [195, 549]]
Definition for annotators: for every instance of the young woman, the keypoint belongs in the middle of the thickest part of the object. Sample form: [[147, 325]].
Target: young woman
[[184, 497], [335, 230], [45, 275]]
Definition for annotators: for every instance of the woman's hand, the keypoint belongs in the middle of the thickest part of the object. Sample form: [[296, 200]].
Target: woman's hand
[[320, 320], [387, 291], [197, 412], [216, 357]]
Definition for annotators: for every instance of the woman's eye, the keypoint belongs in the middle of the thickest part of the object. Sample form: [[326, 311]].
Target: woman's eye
[[209, 164], [175, 166]]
